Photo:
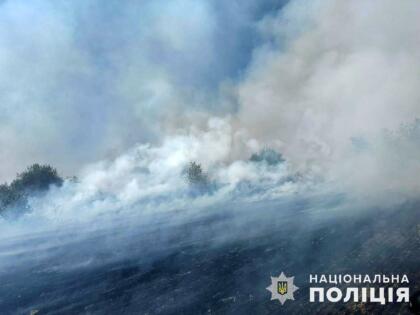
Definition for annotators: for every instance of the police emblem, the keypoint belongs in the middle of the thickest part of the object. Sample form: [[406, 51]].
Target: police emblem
[[282, 288]]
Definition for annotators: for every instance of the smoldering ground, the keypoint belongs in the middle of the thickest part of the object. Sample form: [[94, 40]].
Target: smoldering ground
[[219, 262]]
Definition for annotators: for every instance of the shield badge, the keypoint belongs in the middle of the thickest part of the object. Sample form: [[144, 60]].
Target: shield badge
[[282, 287]]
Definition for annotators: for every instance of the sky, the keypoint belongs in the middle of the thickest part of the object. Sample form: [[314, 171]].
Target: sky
[[332, 85]]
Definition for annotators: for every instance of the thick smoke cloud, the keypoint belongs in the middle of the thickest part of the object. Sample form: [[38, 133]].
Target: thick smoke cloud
[[86, 80], [150, 180], [329, 84], [336, 78]]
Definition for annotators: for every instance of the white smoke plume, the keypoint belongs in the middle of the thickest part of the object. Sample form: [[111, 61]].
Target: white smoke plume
[[334, 79]]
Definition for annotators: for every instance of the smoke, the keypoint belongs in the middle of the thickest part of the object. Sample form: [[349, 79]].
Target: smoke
[[85, 80], [333, 79], [151, 180], [92, 81], [125, 95]]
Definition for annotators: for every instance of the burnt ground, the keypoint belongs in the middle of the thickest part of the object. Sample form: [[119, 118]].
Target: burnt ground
[[210, 264]]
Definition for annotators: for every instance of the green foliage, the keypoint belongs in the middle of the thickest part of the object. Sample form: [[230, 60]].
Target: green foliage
[[269, 156], [195, 175], [34, 180]]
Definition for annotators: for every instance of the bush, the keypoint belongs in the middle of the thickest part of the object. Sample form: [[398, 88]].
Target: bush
[[269, 156], [196, 177], [35, 179]]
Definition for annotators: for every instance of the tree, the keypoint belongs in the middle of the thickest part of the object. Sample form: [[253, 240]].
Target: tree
[[36, 179], [7, 196]]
